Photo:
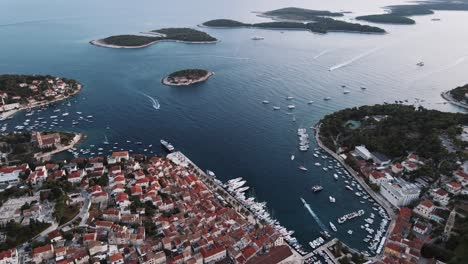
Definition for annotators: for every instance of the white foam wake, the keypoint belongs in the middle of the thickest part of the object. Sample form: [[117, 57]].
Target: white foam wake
[[321, 54], [154, 101], [346, 63]]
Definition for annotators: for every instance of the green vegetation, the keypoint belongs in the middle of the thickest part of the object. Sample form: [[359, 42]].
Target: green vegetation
[[387, 19], [459, 94], [404, 130], [174, 34], [225, 23], [320, 25], [189, 73], [294, 13], [10, 84], [16, 234]]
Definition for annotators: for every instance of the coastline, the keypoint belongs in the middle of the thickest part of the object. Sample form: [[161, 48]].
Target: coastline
[[75, 141], [377, 197], [203, 79], [446, 95], [6, 114], [100, 43]]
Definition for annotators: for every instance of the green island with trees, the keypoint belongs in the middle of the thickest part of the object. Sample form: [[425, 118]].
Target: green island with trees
[[399, 13], [387, 19], [295, 13], [187, 77], [165, 34], [319, 25]]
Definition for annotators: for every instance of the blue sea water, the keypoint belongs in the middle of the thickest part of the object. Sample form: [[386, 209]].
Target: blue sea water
[[222, 124]]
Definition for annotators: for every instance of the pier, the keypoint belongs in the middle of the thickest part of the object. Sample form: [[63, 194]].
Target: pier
[[378, 198]]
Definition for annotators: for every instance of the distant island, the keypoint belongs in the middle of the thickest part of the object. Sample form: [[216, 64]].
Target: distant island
[[187, 77], [185, 35], [457, 96], [398, 14], [302, 14], [20, 92], [387, 19], [299, 19]]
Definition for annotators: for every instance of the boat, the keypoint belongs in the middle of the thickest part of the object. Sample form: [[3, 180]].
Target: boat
[[327, 98], [350, 232], [346, 91], [54, 116], [317, 164], [276, 108], [265, 102], [435, 19], [331, 199], [210, 173], [420, 64], [363, 88], [292, 157], [289, 98], [302, 168], [348, 187], [167, 145], [335, 176], [310, 102], [317, 188], [257, 38], [333, 227], [106, 141], [325, 234], [291, 106]]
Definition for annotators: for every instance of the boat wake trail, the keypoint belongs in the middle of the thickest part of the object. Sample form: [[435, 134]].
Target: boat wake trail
[[154, 101], [307, 206], [346, 63], [321, 54]]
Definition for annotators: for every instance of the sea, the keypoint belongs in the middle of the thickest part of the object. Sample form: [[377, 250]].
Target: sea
[[222, 124]]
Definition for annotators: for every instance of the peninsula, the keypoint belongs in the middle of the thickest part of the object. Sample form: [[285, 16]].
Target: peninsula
[[187, 77], [184, 35], [20, 92], [457, 96], [412, 159]]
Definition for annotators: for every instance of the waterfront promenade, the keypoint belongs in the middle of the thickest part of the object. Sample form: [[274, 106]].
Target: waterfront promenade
[[377, 197]]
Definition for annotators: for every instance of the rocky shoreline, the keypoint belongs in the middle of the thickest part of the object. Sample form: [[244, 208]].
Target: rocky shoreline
[[166, 81], [100, 43], [446, 95]]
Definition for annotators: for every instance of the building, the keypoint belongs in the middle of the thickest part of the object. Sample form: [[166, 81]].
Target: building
[[120, 155], [10, 175], [213, 255], [399, 192], [41, 254], [453, 187], [377, 177], [441, 196], [424, 209], [9, 256], [380, 158], [363, 152], [46, 140]]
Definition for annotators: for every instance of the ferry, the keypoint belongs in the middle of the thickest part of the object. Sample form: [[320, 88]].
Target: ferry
[[317, 188], [333, 227], [167, 145], [302, 168]]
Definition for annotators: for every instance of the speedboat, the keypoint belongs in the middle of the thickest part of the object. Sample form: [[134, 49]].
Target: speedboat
[[276, 108], [327, 98], [265, 102], [289, 98], [302, 168], [333, 227], [292, 157], [310, 102], [331, 199], [420, 64], [317, 188], [291, 106]]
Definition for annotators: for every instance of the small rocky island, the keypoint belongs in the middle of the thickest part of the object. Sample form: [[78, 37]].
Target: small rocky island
[[387, 19], [292, 18], [184, 35], [187, 77]]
